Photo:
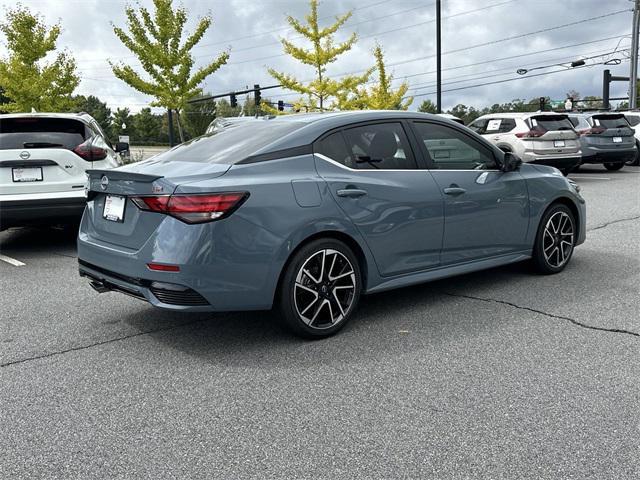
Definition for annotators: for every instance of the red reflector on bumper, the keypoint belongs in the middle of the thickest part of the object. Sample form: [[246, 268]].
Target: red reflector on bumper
[[159, 267]]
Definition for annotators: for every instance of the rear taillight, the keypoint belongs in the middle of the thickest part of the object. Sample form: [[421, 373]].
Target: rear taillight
[[530, 134], [198, 208], [89, 152], [592, 131]]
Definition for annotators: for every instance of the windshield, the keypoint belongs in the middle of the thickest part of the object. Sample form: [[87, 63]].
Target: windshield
[[38, 132], [230, 145], [549, 123], [611, 121]]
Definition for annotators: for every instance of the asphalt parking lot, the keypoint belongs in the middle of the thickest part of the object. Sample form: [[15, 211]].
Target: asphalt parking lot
[[498, 374]]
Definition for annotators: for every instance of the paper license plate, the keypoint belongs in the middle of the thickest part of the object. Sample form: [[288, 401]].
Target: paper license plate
[[617, 139], [114, 208], [558, 143], [33, 174]]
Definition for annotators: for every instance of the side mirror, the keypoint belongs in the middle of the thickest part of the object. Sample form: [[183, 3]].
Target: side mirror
[[121, 147], [510, 162]]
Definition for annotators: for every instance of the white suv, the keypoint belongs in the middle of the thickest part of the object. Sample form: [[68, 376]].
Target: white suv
[[43, 160], [545, 138]]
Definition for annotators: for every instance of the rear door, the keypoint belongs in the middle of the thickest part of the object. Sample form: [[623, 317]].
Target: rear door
[[554, 134], [486, 210], [36, 155], [372, 174]]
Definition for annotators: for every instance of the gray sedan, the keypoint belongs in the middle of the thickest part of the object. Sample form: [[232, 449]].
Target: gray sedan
[[308, 212]]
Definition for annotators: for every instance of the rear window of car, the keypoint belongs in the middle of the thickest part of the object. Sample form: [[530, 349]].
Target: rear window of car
[[633, 119], [610, 121], [230, 145], [548, 123], [37, 132]]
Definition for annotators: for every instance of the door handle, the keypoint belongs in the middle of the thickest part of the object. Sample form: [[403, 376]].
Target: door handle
[[496, 138], [454, 191], [351, 192]]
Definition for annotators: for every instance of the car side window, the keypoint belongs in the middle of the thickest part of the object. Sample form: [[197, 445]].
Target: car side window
[[383, 146], [450, 149], [333, 146], [479, 126]]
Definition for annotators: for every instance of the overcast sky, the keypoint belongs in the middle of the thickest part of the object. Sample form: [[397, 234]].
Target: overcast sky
[[250, 31]]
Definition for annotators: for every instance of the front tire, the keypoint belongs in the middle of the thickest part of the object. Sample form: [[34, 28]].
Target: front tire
[[320, 289], [555, 240], [613, 166]]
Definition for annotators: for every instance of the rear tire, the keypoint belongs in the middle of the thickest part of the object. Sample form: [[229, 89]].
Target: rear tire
[[320, 289], [613, 166], [555, 240], [636, 161]]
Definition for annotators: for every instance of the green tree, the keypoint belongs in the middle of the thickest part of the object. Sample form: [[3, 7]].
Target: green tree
[[28, 80], [96, 108], [324, 51], [198, 116], [591, 102], [427, 106], [147, 126], [224, 109], [380, 96], [167, 60]]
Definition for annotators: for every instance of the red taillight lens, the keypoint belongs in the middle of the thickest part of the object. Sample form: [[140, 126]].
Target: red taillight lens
[[592, 131], [193, 208], [530, 134], [90, 153], [162, 267]]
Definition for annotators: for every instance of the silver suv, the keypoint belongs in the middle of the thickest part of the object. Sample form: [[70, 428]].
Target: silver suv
[[605, 138], [536, 137]]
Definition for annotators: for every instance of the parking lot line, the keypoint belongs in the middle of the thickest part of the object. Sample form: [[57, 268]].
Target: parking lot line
[[12, 261], [591, 177]]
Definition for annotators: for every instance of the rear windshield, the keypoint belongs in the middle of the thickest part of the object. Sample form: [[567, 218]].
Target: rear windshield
[[633, 119], [34, 132], [231, 145], [610, 121], [548, 123]]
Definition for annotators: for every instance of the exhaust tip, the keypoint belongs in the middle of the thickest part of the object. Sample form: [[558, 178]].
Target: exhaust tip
[[98, 286]]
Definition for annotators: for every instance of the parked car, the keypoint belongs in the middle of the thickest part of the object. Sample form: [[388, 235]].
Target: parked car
[[605, 138], [308, 212], [633, 118], [545, 138], [43, 162], [453, 118]]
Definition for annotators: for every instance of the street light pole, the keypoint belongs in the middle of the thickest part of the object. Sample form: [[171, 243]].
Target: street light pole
[[633, 74], [439, 59]]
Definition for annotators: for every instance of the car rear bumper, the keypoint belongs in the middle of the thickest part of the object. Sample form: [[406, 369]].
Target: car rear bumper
[[592, 155], [558, 162], [46, 208]]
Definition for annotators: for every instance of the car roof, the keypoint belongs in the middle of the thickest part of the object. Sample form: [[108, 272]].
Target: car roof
[[522, 115], [75, 116], [313, 125]]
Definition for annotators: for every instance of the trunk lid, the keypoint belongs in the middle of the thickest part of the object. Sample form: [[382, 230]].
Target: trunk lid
[[152, 177], [559, 137]]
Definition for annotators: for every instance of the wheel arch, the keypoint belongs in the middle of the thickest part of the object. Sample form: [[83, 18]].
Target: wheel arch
[[352, 243]]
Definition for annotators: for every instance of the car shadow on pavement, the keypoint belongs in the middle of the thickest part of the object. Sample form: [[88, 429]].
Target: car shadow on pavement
[[29, 240], [386, 324]]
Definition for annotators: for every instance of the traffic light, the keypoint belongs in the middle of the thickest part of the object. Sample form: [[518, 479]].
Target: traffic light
[[256, 94], [233, 101], [280, 105], [542, 102]]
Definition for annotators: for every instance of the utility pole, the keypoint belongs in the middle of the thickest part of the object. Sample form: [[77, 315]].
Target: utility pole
[[439, 58], [633, 73]]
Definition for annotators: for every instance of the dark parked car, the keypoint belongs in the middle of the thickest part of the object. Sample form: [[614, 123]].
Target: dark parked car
[[308, 212]]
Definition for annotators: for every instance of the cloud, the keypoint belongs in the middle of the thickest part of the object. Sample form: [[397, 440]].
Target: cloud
[[251, 31]]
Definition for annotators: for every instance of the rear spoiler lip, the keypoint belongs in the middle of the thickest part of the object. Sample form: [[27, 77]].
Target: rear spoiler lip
[[120, 175]]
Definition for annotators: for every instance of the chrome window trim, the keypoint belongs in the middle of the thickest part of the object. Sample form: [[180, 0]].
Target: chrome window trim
[[338, 164]]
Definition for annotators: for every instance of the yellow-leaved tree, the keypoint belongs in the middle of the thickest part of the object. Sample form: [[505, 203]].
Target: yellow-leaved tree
[[380, 96], [319, 92]]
